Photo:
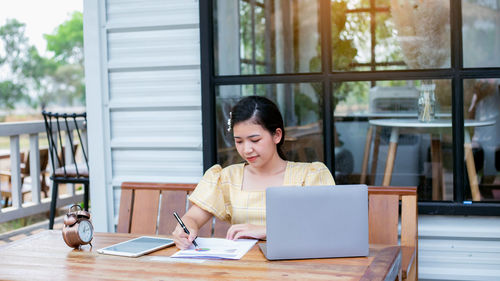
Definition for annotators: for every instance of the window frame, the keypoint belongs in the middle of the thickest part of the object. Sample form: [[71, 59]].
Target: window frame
[[456, 73]]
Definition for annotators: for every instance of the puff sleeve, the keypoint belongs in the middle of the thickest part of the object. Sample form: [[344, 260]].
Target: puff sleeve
[[318, 174], [209, 195]]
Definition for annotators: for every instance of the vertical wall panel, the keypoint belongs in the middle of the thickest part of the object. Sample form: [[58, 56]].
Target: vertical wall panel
[[149, 95]]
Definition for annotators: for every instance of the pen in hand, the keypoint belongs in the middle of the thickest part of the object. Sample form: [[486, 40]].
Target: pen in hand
[[183, 227]]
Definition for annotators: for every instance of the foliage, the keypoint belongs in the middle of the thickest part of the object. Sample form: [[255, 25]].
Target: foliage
[[15, 44], [303, 105], [67, 45], [67, 41], [69, 79], [343, 52], [246, 41], [10, 93], [15, 48], [57, 79]]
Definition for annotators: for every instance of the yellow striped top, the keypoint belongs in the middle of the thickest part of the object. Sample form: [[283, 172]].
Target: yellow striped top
[[219, 191]]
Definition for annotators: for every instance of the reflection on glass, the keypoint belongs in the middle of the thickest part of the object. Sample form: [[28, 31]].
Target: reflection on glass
[[349, 36], [388, 55], [355, 49], [423, 31], [300, 106], [390, 35], [423, 155], [266, 37], [481, 33], [482, 139]]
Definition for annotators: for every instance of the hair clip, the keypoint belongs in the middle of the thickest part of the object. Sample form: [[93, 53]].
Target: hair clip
[[229, 121]]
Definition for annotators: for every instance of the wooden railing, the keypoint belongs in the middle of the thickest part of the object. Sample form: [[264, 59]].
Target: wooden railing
[[37, 204]]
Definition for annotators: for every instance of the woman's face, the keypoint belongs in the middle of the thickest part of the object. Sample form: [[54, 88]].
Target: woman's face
[[254, 143]]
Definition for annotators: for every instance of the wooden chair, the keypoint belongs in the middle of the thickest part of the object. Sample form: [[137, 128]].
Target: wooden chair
[[147, 208], [383, 219], [6, 187]]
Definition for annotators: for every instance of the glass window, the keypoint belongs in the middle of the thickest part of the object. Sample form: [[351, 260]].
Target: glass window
[[481, 33], [370, 117], [482, 139], [391, 85], [300, 106], [266, 37], [406, 35]]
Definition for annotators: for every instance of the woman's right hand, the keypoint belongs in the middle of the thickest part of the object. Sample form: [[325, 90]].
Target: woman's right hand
[[195, 218], [183, 240]]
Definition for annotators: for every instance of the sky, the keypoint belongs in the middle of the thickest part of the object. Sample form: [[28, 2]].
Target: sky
[[40, 16]]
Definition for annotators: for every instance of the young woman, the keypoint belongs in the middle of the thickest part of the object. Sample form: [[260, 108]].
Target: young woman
[[237, 193]]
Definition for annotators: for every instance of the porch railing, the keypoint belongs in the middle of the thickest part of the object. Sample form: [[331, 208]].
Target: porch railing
[[20, 209]]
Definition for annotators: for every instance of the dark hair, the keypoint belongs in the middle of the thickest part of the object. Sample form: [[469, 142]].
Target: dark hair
[[262, 111]]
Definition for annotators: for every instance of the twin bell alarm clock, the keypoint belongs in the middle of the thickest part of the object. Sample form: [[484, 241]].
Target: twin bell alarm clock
[[78, 229]]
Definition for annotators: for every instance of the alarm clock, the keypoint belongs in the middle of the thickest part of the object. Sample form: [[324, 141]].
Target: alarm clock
[[78, 229]]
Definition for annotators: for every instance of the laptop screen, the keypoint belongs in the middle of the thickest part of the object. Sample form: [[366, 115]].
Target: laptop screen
[[317, 221]]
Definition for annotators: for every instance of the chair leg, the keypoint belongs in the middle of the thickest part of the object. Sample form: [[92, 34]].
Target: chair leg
[[53, 204], [86, 197]]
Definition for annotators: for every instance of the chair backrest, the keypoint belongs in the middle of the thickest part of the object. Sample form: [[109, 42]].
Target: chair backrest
[[147, 208], [61, 160], [44, 161], [60, 128], [383, 217]]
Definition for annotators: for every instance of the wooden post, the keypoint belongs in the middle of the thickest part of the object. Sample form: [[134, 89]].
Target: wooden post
[[471, 167], [391, 156], [366, 155]]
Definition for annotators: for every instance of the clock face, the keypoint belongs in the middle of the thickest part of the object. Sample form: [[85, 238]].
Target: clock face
[[85, 231]]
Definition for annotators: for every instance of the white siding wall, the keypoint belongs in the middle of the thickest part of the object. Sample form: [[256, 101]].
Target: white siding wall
[[144, 105], [149, 99], [459, 248]]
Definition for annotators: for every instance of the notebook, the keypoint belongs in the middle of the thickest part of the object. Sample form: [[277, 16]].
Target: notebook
[[316, 222]]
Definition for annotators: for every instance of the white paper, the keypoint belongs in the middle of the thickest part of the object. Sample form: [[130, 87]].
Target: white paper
[[217, 248]]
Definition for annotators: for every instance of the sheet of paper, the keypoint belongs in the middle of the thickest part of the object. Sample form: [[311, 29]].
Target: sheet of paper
[[217, 248]]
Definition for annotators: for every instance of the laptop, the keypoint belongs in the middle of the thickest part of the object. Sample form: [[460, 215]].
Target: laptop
[[316, 222]]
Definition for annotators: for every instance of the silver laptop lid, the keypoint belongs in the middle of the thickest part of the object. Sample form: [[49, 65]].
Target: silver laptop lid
[[317, 221]]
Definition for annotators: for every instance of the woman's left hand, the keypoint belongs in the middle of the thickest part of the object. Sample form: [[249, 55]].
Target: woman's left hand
[[246, 231]]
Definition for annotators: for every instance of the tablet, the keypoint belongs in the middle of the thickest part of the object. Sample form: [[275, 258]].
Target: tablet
[[137, 247]]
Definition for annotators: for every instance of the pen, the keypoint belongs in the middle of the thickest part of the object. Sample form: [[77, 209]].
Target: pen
[[184, 227]]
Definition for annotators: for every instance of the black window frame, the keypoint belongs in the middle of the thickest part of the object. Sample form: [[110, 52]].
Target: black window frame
[[456, 73]]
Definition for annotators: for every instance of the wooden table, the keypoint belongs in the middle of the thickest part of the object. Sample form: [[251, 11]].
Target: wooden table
[[45, 256], [434, 128]]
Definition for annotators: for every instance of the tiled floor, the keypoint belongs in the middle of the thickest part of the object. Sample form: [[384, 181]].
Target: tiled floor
[[29, 230]]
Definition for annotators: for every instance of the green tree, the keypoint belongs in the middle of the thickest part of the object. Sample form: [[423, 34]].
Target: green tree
[[13, 55], [10, 94], [40, 71], [57, 79], [67, 41], [15, 44], [67, 44]]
